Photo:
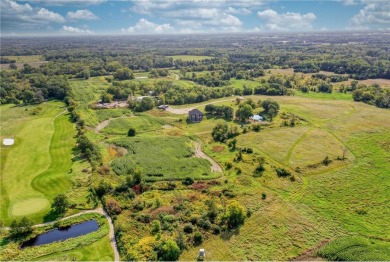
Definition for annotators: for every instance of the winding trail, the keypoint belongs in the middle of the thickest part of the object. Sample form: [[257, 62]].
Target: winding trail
[[199, 153]]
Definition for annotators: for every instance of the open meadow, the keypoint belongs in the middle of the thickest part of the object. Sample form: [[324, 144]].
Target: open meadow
[[320, 205]]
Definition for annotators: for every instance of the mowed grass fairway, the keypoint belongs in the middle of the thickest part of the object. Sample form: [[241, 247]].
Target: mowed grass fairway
[[35, 168]]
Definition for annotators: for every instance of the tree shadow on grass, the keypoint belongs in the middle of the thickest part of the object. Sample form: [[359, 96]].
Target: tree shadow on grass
[[52, 216], [227, 235]]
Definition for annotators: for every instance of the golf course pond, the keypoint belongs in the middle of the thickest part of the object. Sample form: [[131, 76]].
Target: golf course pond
[[62, 234]]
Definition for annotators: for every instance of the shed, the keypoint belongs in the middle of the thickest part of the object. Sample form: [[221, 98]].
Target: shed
[[195, 116]]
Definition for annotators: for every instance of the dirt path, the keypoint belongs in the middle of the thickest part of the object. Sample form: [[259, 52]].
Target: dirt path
[[102, 125], [183, 111], [199, 153], [105, 123], [111, 233]]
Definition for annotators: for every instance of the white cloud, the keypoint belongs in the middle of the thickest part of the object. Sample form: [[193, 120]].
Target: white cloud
[[44, 14], [12, 6], [349, 2], [82, 15], [65, 2], [15, 16], [143, 26], [238, 11], [375, 14], [286, 21], [76, 30]]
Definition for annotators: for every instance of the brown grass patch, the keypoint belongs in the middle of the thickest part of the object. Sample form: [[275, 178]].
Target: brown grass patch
[[218, 149], [200, 185], [163, 209]]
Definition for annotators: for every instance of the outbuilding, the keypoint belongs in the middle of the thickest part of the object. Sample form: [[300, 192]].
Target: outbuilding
[[195, 116]]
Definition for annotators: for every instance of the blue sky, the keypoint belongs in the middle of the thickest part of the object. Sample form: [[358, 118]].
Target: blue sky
[[84, 17]]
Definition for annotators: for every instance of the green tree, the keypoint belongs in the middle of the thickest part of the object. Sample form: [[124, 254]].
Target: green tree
[[28, 96], [21, 228], [156, 227], [60, 204], [168, 251], [271, 108], [131, 132], [123, 74], [106, 98], [235, 215], [244, 112]]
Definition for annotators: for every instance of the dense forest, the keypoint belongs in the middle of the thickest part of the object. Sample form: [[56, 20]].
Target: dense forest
[[230, 57]]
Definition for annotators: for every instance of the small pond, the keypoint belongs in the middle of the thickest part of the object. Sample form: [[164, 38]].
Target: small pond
[[62, 234]]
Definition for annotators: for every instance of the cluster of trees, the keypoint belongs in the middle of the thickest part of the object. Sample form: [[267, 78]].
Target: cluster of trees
[[212, 79], [6, 60], [221, 111], [90, 150], [271, 108], [373, 95], [356, 68], [222, 132], [154, 73], [331, 78], [17, 87], [143, 104], [123, 74], [21, 228]]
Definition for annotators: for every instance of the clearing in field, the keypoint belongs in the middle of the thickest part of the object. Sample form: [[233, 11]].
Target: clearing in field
[[161, 158]]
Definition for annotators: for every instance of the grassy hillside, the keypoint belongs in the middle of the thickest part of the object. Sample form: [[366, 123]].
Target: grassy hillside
[[35, 168]]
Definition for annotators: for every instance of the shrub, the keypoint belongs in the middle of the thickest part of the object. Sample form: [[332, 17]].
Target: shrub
[[263, 196], [205, 224], [228, 165], [188, 181], [168, 251], [131, 132], [156, 227], [144, 218], [216, 230], [281, 172], [326, 161], [113, 207], [256, 127], [235, 215], [188, 228], [198, 238]]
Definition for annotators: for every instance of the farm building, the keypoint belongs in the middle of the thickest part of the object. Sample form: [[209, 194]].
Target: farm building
[[195, 116]]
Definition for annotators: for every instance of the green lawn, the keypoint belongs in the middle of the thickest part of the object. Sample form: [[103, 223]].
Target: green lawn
[[35, 168]]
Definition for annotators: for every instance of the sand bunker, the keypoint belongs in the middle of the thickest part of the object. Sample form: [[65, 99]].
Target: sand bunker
[[8, 141]]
